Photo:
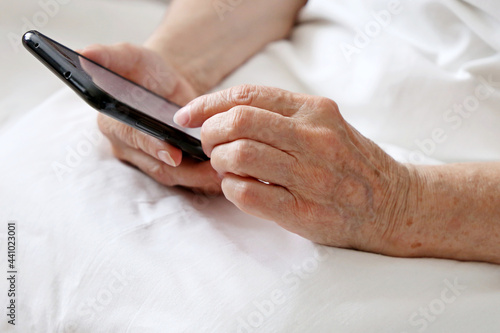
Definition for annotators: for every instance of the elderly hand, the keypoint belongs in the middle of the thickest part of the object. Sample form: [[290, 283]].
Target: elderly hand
[[156, 158], [293, 159], [194, 48]]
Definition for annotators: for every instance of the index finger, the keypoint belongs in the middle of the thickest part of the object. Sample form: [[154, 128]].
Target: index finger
[[272, 99]]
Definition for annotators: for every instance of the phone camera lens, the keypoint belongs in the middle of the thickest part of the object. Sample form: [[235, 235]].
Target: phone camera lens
[[67, 74]]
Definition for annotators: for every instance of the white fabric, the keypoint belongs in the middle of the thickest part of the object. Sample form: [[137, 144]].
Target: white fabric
[[103, 248]]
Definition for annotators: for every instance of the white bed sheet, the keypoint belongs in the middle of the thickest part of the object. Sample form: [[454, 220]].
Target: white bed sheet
[[103, 248]]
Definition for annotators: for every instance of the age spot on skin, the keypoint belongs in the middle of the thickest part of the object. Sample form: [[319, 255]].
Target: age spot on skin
[[415, 245], [409, 222]]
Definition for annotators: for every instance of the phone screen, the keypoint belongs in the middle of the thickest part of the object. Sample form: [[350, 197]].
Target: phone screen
[[123, 90]]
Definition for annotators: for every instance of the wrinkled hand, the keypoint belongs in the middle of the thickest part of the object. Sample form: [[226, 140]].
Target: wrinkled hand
[[293, 159], [158, 159]]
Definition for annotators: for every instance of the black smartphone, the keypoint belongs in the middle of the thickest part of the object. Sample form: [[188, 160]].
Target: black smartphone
[[114, 95]]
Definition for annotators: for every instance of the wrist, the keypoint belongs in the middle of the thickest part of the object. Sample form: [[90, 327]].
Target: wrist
[[411, 206], [394, 201], [450, 211], [396, 210], [205, 47]]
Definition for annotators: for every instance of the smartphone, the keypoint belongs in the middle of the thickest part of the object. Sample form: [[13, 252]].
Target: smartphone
[[114, 95]]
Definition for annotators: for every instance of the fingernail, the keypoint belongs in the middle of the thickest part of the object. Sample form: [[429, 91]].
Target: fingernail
[[183, 116], [165, 157]]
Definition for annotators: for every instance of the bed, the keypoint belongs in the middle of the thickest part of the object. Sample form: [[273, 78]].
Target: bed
[[100, 247]]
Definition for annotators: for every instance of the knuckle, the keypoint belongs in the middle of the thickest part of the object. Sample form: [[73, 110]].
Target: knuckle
[[244, 153], [207, 129], [327, 105], [242, 94], [129, 136], [211, 129], [238, 118]]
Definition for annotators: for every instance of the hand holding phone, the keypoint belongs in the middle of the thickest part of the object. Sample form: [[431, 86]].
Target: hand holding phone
[[114, 95], [136, 62]]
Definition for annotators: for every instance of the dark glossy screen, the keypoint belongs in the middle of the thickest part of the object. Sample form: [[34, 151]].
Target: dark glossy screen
[[124, 90]]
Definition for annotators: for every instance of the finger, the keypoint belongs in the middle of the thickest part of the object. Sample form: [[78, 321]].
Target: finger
[[266, 201], [247, 122], [272, 99], [122, 135], [190, 173], [248, 158]]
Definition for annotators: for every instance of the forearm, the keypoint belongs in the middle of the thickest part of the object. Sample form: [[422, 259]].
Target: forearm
[[454, 213], [205, 42]]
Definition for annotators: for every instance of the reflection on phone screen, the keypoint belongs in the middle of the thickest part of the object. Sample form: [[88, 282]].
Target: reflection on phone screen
[[125, 91]]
